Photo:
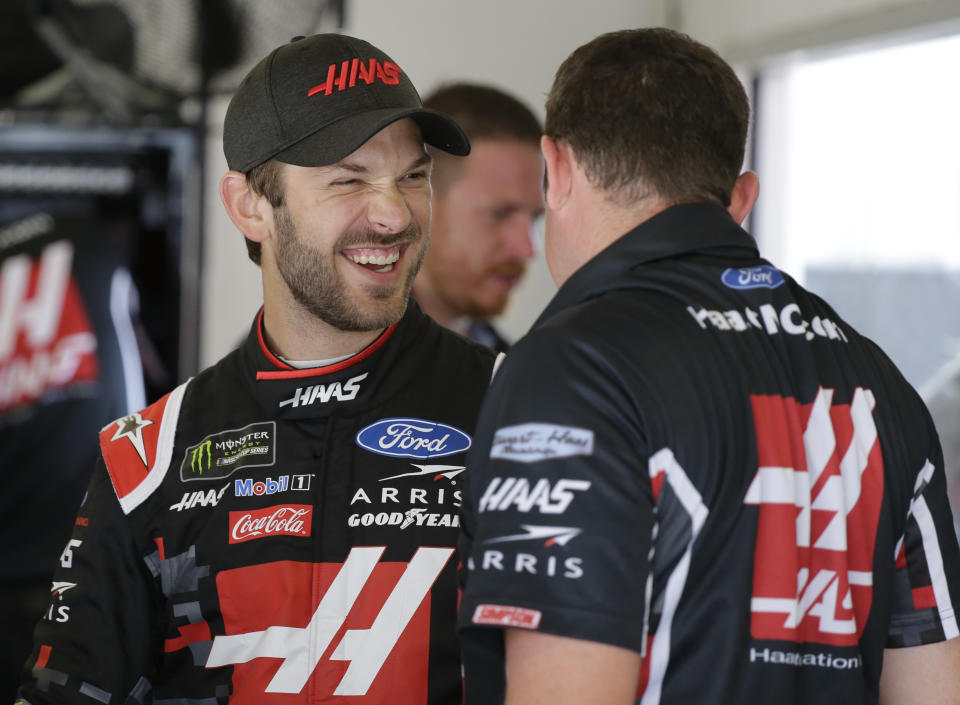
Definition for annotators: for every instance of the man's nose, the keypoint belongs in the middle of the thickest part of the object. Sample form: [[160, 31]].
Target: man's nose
[[387, 211], [519, 237]]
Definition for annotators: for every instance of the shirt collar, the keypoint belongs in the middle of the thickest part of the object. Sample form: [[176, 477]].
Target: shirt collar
[[678, 230]]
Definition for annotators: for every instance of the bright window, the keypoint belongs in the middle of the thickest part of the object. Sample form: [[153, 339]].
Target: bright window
[[859, 162]]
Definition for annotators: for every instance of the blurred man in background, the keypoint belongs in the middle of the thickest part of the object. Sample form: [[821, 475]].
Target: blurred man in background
[[484, 207]]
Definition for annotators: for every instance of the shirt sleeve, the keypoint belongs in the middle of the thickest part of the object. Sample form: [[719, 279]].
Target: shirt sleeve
[[558, 513], [100, 637], [927, 565]]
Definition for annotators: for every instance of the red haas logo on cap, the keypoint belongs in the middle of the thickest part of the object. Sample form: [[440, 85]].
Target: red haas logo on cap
[[352, 70]]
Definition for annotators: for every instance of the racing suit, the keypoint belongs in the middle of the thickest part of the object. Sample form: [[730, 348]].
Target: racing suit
[[264, 534], [692, 457]]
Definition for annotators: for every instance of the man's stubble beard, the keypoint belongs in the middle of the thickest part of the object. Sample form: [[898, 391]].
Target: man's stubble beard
[[315, 283]]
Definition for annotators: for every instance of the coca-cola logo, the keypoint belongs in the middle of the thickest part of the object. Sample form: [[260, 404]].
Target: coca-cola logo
[[412, 438], [281, 520]]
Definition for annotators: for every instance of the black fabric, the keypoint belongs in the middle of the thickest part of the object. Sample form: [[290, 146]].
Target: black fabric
[[272, 505], [487, 335], [684, 438]]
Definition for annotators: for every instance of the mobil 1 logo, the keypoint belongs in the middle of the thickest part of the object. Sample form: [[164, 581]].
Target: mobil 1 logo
[[248, 487]]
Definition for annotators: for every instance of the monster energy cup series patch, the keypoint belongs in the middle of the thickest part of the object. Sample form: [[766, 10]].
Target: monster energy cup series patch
[[220, 454]]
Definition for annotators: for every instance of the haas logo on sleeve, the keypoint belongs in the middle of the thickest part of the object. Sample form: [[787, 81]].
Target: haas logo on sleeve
[[819, 487]]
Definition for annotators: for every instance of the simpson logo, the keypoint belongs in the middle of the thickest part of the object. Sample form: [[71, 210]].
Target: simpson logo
[[506, 616], [46, 339], [554, 535], [131, 427], [762, 277], [789, 319], [531, 442], [504, 493], [374, 616], [412, 438], [819, 488], [221, 454], [283, 520], [353, 70]]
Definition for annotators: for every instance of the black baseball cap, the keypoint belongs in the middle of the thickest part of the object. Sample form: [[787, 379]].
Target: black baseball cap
[[315, 100]]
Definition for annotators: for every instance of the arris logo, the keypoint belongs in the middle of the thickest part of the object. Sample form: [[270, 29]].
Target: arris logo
[[412, 438], [762, 277], [357, 69]]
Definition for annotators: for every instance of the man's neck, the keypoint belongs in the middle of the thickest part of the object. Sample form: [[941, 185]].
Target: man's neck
[[436, 307], [295, 334]]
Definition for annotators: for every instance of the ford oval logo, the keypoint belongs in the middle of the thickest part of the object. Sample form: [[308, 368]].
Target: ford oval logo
[[412, 438], [762, 277]]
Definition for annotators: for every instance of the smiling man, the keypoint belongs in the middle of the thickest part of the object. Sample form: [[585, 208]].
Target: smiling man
[[281, 528]]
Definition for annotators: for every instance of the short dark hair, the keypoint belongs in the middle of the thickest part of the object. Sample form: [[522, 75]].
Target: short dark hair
[[484, 112], [265, 179], [651, 111]]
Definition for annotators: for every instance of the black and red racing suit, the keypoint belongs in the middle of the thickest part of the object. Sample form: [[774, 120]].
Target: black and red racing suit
[[264, 534]]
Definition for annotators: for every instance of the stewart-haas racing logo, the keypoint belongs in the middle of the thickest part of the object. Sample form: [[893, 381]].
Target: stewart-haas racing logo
[[221, 454], [412, 438]]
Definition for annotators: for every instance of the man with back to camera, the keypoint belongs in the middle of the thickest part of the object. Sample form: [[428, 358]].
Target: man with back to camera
[[281, 528], [484, 207], [692, 482]]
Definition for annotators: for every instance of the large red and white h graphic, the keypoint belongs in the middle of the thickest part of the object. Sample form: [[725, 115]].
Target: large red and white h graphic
[[819, 487], [301, 649]]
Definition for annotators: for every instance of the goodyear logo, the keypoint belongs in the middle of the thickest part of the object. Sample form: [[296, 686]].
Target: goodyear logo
[[221, 454]]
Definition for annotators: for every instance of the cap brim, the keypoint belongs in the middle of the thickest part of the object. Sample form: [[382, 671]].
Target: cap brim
[[332, 143]]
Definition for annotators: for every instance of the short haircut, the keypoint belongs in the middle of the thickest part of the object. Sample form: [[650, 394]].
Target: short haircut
[[483, 112], [651, 111], [265, 179]]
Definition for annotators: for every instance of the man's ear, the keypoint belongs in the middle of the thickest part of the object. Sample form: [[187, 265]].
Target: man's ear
[[745, 191], [249, 211], [558, 162]]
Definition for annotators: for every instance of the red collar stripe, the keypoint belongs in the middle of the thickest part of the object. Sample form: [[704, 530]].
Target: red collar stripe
[[289, 372]]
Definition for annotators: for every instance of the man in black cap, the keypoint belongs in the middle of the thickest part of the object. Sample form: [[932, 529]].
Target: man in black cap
[[281, 527]]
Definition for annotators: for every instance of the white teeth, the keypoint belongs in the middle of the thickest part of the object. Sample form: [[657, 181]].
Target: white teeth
[[376, 259], [385, 269]]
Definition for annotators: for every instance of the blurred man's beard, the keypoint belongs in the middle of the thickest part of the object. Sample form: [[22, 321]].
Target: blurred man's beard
[[481, 308], [317, 285]]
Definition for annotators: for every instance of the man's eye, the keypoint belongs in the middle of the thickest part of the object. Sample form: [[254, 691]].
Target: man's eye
[[415, 176], [345, 182]]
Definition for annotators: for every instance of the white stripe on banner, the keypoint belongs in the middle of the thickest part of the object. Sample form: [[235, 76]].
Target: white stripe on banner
[[122, 304], [168, 430], [664, 461], [931, 550]]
